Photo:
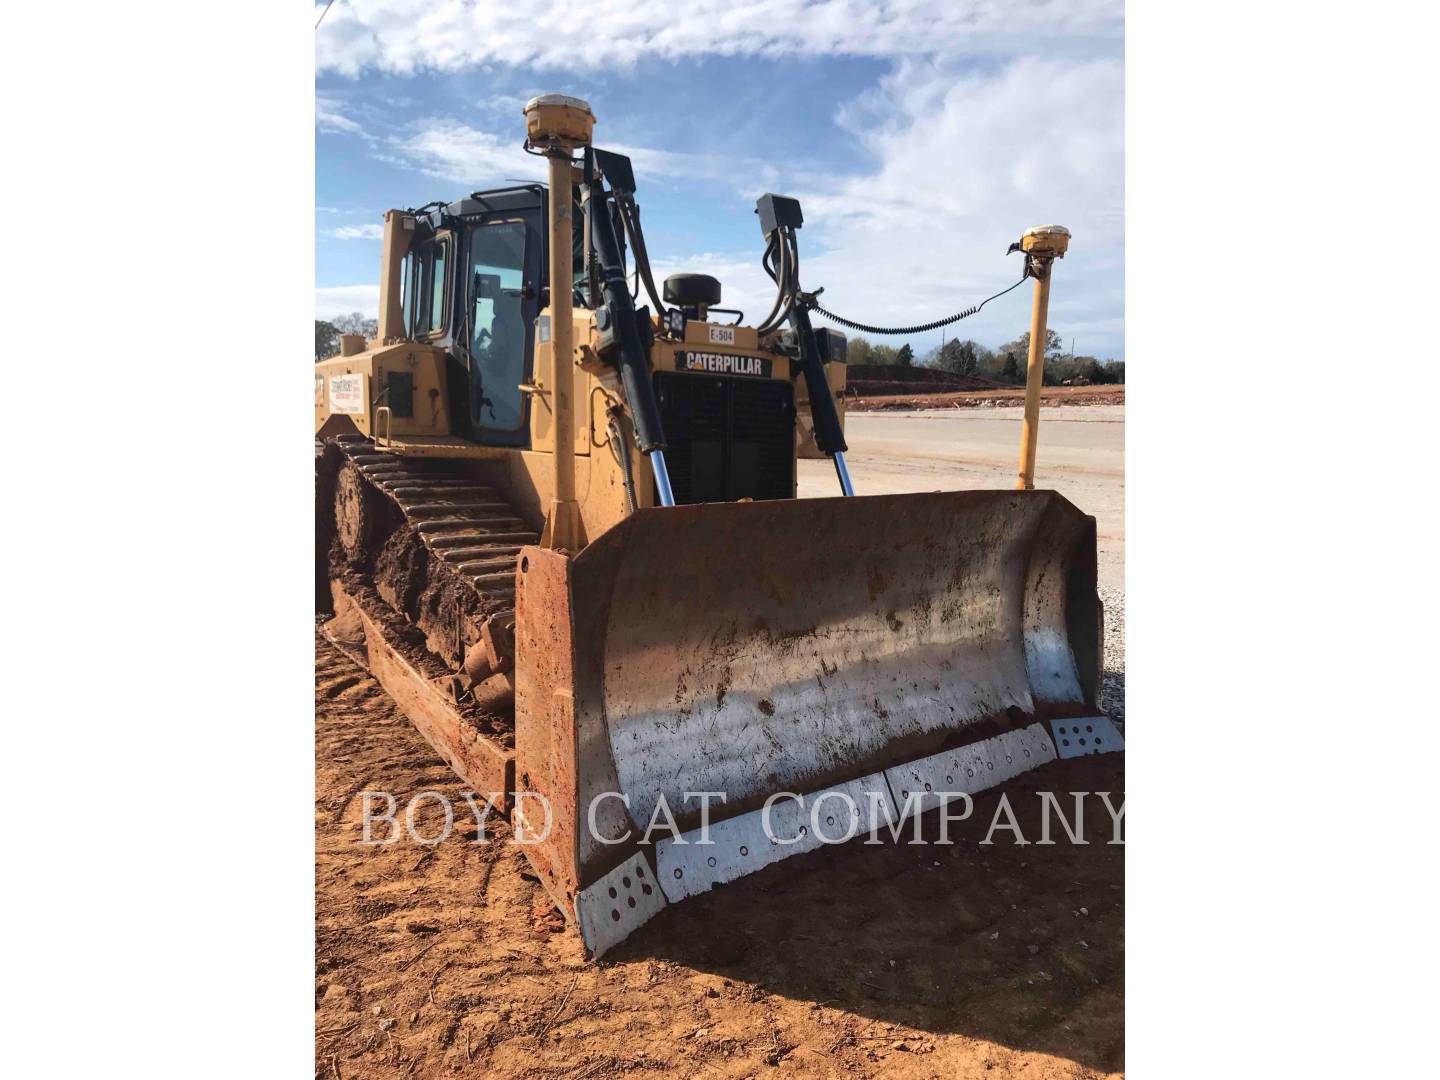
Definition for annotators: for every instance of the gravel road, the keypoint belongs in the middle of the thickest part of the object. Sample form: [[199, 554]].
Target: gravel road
[[1112, 692]]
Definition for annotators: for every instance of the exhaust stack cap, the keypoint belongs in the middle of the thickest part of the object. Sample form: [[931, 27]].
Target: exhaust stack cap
[[1046, 240], [558, 122]]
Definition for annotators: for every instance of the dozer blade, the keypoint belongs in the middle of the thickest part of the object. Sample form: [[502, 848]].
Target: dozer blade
[[796, 646]]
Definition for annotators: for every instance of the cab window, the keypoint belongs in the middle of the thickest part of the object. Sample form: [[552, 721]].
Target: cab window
[[424, 285], [407, 291], [498, 329], [437, 290]]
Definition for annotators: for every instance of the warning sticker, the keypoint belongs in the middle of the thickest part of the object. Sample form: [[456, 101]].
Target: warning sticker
[[347, 394], [319, 390]]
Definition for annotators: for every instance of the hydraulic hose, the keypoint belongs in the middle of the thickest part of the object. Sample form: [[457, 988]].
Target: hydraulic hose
[[625, 324], [784, 277], [630, 216], [769, 320], [621, 448]]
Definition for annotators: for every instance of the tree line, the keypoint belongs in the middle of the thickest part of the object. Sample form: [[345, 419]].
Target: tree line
[[327, 334], [1005, 364]]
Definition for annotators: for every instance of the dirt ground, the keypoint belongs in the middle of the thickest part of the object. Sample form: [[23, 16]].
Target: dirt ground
[[908, 961], [897, 960], [977, 399]]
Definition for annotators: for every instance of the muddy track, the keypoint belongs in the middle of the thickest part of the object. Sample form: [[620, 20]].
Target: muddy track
[[902, 961], [436, 543]]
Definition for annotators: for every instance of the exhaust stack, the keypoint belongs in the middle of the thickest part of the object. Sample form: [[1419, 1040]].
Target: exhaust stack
[[394, 246]]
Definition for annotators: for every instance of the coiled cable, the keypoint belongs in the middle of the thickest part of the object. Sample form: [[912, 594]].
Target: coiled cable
[[811, 302]]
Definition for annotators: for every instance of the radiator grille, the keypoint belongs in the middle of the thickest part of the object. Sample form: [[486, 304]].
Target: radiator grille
[[728, 438]]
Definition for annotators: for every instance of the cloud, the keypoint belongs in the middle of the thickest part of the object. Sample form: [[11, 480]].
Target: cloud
[[330, 116], [358, 232], [337, 300], [746, 173], [967, 162], [462, 154], [994, 116], [966, 159], [405, 36]]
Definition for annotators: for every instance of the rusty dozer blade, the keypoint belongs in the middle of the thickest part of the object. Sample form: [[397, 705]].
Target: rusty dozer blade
[[797, 646]]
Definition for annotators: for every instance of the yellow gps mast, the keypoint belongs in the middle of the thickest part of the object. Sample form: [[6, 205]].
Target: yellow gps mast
[[1042, 245], [557, 125]]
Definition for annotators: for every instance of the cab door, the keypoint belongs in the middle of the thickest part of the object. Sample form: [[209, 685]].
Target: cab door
[[501, 300]]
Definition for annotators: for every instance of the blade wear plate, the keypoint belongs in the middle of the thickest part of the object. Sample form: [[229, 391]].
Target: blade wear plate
[[741, 845], [617, 905], [969, 769], [1089, 735]]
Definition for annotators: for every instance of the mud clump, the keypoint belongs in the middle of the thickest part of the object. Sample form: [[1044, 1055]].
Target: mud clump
[[402, 570]]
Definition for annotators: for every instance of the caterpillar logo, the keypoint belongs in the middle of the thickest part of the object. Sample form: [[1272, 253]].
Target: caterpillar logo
[[723, 364]]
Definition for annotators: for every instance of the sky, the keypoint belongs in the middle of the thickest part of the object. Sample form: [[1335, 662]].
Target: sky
[[922, 137]]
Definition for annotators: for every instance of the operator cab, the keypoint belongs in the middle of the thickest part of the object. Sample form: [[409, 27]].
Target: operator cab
[[472, 286], [706, 392]]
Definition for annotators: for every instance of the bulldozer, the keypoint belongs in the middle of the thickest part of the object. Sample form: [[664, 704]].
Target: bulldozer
[[560, 527]]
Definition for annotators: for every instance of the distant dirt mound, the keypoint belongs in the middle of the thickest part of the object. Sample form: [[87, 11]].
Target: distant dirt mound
[[923, 397], [882, 380]]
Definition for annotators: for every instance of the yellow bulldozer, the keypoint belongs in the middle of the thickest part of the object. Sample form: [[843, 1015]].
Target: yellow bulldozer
[[562, 531]]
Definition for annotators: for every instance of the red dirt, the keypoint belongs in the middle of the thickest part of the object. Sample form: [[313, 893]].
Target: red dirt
[[971, 399], [895, 960]]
